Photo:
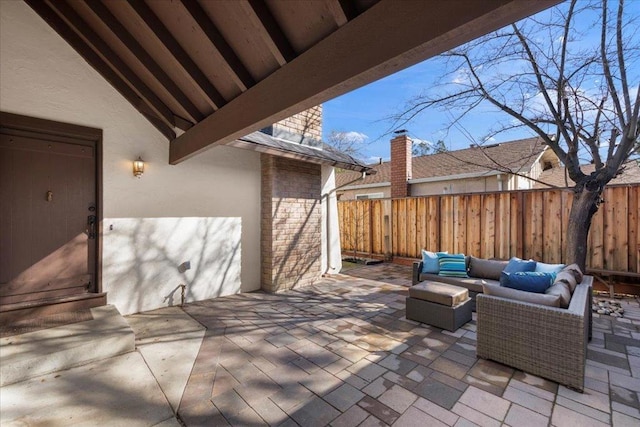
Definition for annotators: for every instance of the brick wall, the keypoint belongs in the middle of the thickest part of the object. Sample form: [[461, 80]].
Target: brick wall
[[291, 223], [307, 123], [400, 165]]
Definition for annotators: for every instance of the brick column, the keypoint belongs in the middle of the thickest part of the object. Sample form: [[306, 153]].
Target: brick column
[[400, 165], [307, 123], [290, 224]]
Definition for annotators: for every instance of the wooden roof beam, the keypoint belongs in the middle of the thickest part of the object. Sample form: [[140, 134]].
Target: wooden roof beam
[[268, 21], [216, 38], [94, 42], [144, 100], [119, 30], [196, 75], [343, 11], [382, 40]]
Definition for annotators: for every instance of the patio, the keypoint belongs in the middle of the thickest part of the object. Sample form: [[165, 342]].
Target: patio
[[342, 353]]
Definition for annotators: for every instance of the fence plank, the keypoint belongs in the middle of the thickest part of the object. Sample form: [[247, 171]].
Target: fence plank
[[433, 224], [567, 201], [533, 225], [595, 251], [616, 245], [488, 231], [474, 219], [634, 229], [413, 248], [551, 227], [459, 224]]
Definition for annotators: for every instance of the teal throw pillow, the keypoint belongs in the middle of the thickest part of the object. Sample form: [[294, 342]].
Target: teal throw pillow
[[541, 267], [452, 265], [430, 262]]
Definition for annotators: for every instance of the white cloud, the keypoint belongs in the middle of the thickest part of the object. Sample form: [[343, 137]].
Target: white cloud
[[354, 136], [461, 76]]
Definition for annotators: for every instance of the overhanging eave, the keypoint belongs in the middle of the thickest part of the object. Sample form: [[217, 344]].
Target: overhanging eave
[[386, 38]]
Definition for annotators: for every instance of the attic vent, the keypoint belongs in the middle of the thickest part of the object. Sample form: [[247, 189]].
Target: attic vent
[[547, 166], [491, 146]]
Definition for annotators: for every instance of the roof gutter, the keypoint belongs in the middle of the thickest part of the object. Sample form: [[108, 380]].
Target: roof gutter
[[247, 145]]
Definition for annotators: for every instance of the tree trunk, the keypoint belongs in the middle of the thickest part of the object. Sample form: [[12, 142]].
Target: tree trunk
[[585, 205]]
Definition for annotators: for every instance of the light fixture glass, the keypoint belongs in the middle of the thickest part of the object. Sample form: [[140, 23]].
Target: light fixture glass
[[138, 167]]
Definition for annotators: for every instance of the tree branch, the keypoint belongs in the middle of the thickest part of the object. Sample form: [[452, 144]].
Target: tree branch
[[607, 68]]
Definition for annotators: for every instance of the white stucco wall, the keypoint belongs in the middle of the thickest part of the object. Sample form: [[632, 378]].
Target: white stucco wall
[[205, 210], [331, 261]]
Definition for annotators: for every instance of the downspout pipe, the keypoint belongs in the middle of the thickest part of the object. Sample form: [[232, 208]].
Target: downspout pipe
[[328, 216]]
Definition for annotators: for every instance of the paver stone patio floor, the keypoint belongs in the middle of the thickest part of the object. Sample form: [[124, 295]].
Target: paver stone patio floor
[[342, 353]]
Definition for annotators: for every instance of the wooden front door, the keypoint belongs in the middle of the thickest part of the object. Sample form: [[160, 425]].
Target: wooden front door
[[48, 217]]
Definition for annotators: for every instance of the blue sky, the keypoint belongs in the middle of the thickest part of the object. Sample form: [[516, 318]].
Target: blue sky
[[366, 111]]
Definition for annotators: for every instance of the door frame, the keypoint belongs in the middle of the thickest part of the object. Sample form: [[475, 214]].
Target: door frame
[[31, 126]]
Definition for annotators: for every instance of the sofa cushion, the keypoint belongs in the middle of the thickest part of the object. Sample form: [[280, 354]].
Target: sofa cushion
[[474, 284], [541, 267], [452, 265], [485, 268], [529, 281], [516, 265], [530, 297], [567, 277], [562, 290], [439, 293], [575, 270], [430, 261]]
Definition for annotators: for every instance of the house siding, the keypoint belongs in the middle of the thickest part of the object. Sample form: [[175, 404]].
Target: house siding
[[470, 185], [205, 210]]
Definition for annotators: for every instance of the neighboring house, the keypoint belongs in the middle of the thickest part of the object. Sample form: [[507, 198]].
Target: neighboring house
[[557, 176], [494, 167]]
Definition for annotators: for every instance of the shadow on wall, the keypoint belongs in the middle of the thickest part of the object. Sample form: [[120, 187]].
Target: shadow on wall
[[302, 252], [144, 260]]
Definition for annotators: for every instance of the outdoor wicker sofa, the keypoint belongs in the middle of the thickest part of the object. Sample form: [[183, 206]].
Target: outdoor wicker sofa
[[550, 342]]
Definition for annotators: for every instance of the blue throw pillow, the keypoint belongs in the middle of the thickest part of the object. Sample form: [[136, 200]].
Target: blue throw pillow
[[516, 265], [541, 267], [530, 281], [453, 265], [430, 262]]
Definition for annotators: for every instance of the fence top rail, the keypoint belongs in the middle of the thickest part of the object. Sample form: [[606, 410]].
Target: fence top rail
[[483, 193]]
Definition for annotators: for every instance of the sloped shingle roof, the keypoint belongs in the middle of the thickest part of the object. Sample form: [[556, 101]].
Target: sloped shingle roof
[[556, 176], [259, 141], [516, 155]]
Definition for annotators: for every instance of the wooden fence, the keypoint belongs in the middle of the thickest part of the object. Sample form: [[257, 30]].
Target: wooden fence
[[527, 224]]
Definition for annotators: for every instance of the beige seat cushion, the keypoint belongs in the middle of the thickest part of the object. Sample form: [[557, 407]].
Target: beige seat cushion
[[439, 293]]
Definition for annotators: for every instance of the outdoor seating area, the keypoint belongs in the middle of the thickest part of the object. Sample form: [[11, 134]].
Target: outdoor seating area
[[540, 324]]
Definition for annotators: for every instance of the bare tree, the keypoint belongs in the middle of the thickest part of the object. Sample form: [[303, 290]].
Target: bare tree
[[424, 148], [568, 75]]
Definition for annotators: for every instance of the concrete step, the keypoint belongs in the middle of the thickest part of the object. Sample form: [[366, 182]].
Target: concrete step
[[50, 350]]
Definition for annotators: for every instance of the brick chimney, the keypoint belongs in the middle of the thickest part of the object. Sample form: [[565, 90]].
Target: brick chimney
[[400, 165]]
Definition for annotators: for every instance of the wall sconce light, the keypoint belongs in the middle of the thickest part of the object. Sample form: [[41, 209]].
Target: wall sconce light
[[138, 167]]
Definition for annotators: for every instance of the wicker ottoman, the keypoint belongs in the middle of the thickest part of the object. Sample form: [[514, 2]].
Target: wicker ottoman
[[439, 304]]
